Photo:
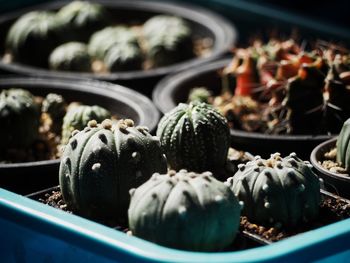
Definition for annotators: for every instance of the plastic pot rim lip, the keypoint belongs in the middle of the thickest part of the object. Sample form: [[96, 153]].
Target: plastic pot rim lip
[[314, 161], [143, 107], [225, 34], [162, 97]]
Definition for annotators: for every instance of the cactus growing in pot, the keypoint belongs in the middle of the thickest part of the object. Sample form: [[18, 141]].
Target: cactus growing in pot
[[71, 56], [19, 117], [277, 190], [80, 19], [32, 34], [78, 116], [102, 162], [194, 137], [124, 57], [343, 152], [54, 105], [185, 210]]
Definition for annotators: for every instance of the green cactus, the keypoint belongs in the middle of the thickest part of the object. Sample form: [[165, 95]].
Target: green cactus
[[32, 38], [81, 18], [194, 137], [19, 117], [200, 94], [55, 106], [283, 191], [185, 211], [71, 56], [101, 163], [124, 57], [168, 40], [77, 117], [343, 150], [102, 41]]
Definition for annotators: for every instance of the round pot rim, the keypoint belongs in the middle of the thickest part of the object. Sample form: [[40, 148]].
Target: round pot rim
[[163, 93], [147, 112], [225, 34], [313, 158]]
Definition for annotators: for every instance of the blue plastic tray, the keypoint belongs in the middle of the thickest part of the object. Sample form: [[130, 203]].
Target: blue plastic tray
[[34, 232]]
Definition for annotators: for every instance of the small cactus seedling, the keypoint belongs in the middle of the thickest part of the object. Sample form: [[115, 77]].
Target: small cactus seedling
[[55, 106], [102, 162], [277, 190], [185, 210], [71, 56], [77, 117], [80, 19], [343, 144], [200, 94], [32, 38], [195, 137], [19, 117], [168, 39]]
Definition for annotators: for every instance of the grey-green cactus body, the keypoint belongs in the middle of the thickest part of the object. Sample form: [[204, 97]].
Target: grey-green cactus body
[[19, 117], [277, 191], [124, 57], [102, 41], [80, 19], [200, 94], [32, 38], [185, 211], [168, 39], [77, 117], [194, 137], [55, 106], [71, 56], [343, 146], [101, 163]]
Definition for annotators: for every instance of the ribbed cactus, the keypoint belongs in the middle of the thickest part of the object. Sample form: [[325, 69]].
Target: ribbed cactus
[[185, 211], [55, 106], [102, 41], [78, 116], [343, 144], [124, 57], [277, 190], [194, 137], [168, 39], [81, 18], [102, 162], [71, 56], [32, 38], [19, 117]]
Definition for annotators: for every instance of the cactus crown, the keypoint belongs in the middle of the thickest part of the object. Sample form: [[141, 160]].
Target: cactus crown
[[195, 137], [277, 190], [185, 210]]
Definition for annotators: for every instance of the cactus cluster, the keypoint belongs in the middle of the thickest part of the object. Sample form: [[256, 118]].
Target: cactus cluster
[[185, 210], [168, 39], [280, 191], [32, 38], [71, 56], [343, 144], [78, 116], [19, 117], [194, 137], [102, 162], [80, 19]]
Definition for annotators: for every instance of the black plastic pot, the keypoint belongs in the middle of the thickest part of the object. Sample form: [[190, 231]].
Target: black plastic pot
[[204, 24], [125, 103], [338, 183], [175, 89]]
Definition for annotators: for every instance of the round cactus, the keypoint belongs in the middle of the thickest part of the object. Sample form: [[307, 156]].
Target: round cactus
[[343, 150], [194, 137], [124, 57], [32, 38], [72, 56], [185, 211], [200, 94], [168, 40], [277, 190], [77, 117], [19, 117], [101, 163], [55, 106], [80, 19]]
